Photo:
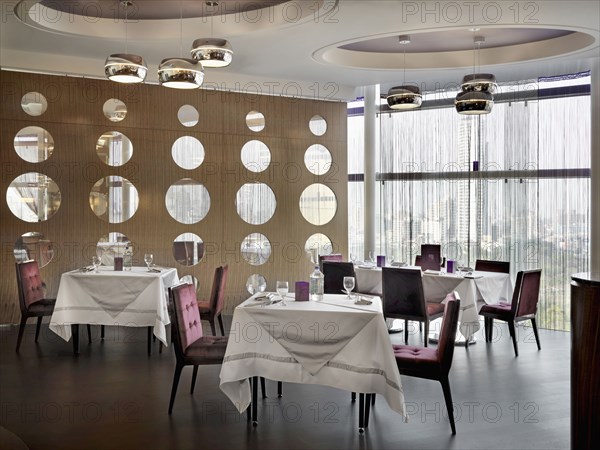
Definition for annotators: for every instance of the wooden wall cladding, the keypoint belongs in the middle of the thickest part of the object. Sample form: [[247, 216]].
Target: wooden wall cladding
[[75, 120]]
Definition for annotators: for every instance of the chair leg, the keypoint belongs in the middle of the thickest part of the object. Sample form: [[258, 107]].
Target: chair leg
[[368, 408], [75, 333], [21, 330], [221, 325], [176, 376], [149, 340], [353, 397], [426, 331], [535, 332], [448, 398], [420, 327], [194, 374], [254, 401], [373, 399], [37, 328], [513, 333], [262, 387], [212, 326], [89, 331], [406, 332], [361, 413], [102, 332], [279, 389]]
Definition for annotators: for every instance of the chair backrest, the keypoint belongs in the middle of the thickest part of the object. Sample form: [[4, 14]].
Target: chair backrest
[[431, 256], [336, 257], [183, 251], [220, 299], [492, 266], [30, 284], [334, 273], [447, 337], [214, 291], [185, 316], [418, 260], [403, 294], [528, 286]]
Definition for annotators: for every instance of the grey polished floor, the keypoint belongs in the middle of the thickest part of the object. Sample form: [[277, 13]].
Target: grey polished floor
[[115, 396]]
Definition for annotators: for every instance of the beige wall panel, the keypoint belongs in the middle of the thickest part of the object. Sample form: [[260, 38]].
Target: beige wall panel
[[75, 120]]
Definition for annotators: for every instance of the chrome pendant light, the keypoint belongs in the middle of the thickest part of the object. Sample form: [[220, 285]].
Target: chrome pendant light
[[180, 73], [125, 67], [212, 52], [405, 96], [477, 89]]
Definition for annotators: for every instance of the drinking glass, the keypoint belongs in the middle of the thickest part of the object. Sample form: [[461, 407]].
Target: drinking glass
[[349, 285], [371, 258], [282, 288], [148, 257], [353, 258], [96, 262]]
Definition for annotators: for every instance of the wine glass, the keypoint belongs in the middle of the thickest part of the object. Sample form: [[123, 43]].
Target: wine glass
[[371, 258], [353, 258], [349, 285], [148, 257], [282, 288], [96, 262]]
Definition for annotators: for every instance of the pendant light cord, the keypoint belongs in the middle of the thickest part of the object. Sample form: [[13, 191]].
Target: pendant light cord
[[126, 4], [180, 29]]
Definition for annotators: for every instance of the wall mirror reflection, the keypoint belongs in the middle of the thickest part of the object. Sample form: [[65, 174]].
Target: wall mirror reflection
[[317, 125], [318, 204], [34, 144], [317, 159], [187, 201], [319, 243], [256, 283], [114, 199], [255, 121], [114, 109], [33, 245], [256, 249], [187, 152], [114, 148], [34, 103], [188, 249], [188, 116], [33, 197]]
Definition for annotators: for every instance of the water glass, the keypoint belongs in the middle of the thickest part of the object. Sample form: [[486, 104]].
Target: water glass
[[148, 258], [349, 283], [282, 288], [96, 262]]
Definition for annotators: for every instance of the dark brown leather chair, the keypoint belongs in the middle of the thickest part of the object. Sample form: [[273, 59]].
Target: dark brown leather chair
[[485, 265], [403, 299], [335, 257], [191, 348], [434, 363], [334, 273], [211, 308], [523, 307]]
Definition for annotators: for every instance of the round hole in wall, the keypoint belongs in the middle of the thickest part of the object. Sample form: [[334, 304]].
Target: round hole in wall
[[256, 249], [188, 152], [317, 159], [255, 121], [188, 249], [256, 156], [114, 199], [114, 148], [319, 242], [187, 201], [34, 103], [33, 197], [34, 144], [255, 203], [188, 116], [318, 204], [256, 283], [317, 125], [33, 245], [114, 109]]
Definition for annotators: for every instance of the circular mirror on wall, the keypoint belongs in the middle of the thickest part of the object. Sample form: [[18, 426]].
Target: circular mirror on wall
[[256, 156], [188, 116], [34, 103], [318, 204], [111, 245], [114, 109], [114, 199], [188, 249], [187, 201], [256, 249], [319, 242], [187, 152], [317, 125], [255, 121], [33, 197], [317, 159], [34, 144], [114, 148], [256, 283], [33, 245], [255, 203]]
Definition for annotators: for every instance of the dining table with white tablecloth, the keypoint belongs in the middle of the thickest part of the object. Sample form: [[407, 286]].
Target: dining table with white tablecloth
[[132, 298], [332, 342], [474, 290]]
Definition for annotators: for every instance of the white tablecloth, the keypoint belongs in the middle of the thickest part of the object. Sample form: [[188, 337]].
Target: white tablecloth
[[136, 298], [484, 287], [332, 342]]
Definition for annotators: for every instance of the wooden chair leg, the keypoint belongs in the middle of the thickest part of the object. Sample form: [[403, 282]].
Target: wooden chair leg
[[149, 340], [75, 333], [535, 333], [361, 413], [448, 398], [513, 333], [194, 374], [21, 330], [89, 332], [102, 332], [368, 408], [176, 376], [406, 332], [373, 399], [212, 326], [426, 332], [254, 401], [221, 325], [37, 328], [353, 397], [279, 389]]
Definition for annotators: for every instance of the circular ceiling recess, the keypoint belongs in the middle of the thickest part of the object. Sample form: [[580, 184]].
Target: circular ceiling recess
[[453, 48]]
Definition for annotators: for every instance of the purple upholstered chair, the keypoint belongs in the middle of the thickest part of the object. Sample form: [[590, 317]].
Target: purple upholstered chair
[[191, 348], [434, 363], [403, 298], [211, 308], [523, 307], [492, 266], [334, 273]]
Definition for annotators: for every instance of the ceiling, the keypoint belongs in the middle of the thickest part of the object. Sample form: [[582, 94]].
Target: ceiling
[[310, 48]]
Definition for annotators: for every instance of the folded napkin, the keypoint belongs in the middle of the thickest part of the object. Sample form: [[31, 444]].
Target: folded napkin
[[86, 269], [399, 264], [432, 272], [264, 296], [363, 301], [366, 266], [152, 269]]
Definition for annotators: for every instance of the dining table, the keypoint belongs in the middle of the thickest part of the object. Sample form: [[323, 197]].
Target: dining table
[[332, 342], [475, 288], [130, 298]]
